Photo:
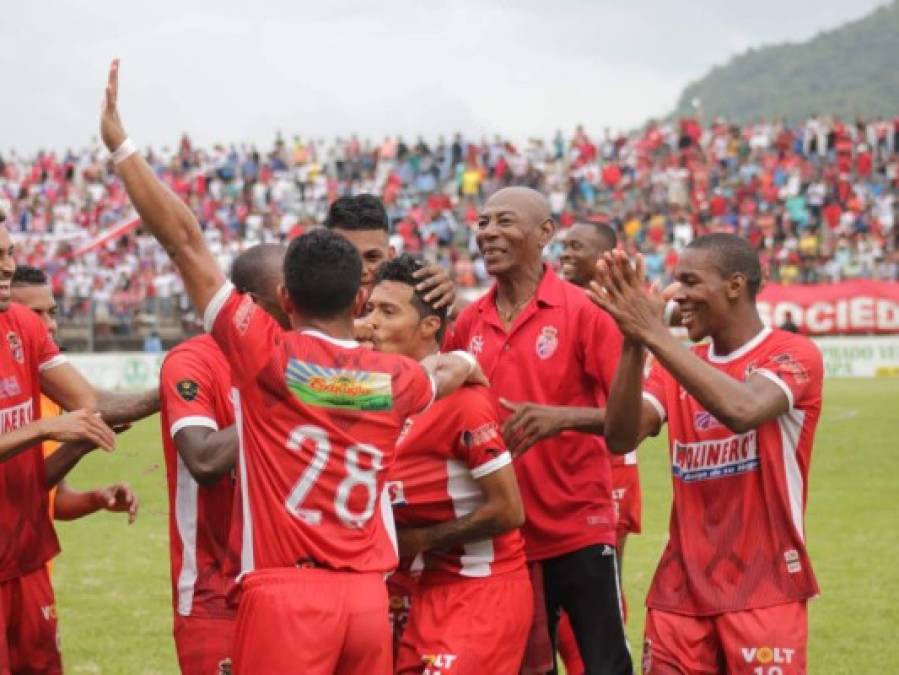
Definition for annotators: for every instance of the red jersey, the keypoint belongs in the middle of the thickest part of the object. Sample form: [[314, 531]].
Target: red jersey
[[737, 539], [27, 537], [194, 391], [318, 420], [561, 350], [440, 456]]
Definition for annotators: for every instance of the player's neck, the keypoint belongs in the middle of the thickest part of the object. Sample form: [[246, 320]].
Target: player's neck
[[425, 349], [520, 284], [340, 328], [738, 331]]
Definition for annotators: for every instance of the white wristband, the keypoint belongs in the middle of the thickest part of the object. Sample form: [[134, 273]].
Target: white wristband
[[124, 151], [472, 361], [670, 306]]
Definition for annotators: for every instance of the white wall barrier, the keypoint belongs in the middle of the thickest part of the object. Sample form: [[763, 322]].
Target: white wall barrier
[[851, 356]]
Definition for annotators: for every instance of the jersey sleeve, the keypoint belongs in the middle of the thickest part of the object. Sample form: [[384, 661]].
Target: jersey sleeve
[[247, 335], [188, 388], [796, 367], [601, 343], [41, 344], [479, 442], [416, 388], [654, 387]]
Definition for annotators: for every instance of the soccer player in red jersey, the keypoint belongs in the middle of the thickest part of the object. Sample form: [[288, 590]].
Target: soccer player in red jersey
[[30, 287], [456, 504], [29, 363], [318, 417], [730, 591], [540, 340], [200, 448]]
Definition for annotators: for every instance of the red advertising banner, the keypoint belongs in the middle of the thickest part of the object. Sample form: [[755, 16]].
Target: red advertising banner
[[846, 308]]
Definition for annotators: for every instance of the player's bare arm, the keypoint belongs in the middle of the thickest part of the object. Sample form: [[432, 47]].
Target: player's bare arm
[[123, 408], [166, 216], [628, 418], [450, 371], [71, 504], [80, 425], [619, 289], [501, 511], [66, 456], [532, 422], [208, 454], [440, 290]]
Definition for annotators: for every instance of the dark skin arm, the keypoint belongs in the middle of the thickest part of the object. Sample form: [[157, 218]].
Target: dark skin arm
[[208, 454], [501, 511], [66, 456], [435, 280], [624, 429], [740, 406], [71, 504], [533, 422]]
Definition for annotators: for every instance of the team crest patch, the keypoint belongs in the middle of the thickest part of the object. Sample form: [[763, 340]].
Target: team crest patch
[[476, 345], [395, 492], [15, 347], [547, 342], [339, 388], [188, 389]]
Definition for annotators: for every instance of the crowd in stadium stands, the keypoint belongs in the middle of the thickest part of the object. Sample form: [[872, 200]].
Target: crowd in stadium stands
[[818, 199]]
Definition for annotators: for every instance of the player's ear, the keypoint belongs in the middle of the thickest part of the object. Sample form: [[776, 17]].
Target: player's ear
[[391, 252], [360, 301], [547, 231], [735, 286], [285, 301], [429, 327]]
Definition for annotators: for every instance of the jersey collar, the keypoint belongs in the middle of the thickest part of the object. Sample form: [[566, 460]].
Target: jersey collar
[[741, 351], [346, 344]]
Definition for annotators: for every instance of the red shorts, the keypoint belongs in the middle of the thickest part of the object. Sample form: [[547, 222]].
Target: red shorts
[[626, 495], [204, 646], [312, 621], [767, 641], [29, 614], [468, 627], [401, 586]]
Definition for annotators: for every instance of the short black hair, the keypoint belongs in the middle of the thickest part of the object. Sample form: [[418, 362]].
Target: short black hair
[[322, 273], [605, 232], [26, 275], [733, 255], [359, 212], [402, 269]]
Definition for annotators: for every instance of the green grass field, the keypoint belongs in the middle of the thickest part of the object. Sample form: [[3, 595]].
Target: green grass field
[[112, 580]]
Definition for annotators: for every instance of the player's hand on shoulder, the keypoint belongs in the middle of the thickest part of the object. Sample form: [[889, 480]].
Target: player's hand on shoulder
[[83, 425], [111, 129], [527, 424], [441, 291], [118, 498]]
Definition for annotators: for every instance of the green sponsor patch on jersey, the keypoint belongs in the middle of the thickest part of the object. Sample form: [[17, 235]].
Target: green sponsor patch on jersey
[[339, 388]]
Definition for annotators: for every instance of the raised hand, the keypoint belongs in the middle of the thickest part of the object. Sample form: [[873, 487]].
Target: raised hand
[[119, 498], [111, 130], [620, 290], [435, 280], [80, 426]]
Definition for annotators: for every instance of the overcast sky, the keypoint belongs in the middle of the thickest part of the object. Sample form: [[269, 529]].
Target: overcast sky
[[239, 71]]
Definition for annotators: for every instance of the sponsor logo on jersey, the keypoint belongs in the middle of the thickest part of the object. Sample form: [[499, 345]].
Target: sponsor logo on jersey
[[547, 342], [437, 664], [476, 345], [15, 417], [243, 314], [703, 421], [787, 365], [48, 612], [15, 346], [791, 558], [339, 388], [706, 460], [395, 492], [9, 386], [472, 438], [765, 655], [188, 390]]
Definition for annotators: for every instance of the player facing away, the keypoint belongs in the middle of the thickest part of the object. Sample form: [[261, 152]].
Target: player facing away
[[31, 288], [200, 448], [540, 340], [30, 364], [318, 417], [456, 504], [730, 591]]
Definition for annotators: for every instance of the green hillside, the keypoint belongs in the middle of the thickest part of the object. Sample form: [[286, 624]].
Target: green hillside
[[852, 70]]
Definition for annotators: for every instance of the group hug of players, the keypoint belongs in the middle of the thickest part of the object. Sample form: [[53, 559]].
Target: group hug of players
[[334, 415]]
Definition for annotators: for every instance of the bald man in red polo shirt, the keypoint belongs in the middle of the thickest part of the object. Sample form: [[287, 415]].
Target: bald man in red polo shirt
[[539, 339]]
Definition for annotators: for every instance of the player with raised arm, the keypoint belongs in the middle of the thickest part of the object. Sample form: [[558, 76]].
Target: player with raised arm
[[31, 364], [318, 417], [730, 591], [31, 287], [200, 447], [456, 503]]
